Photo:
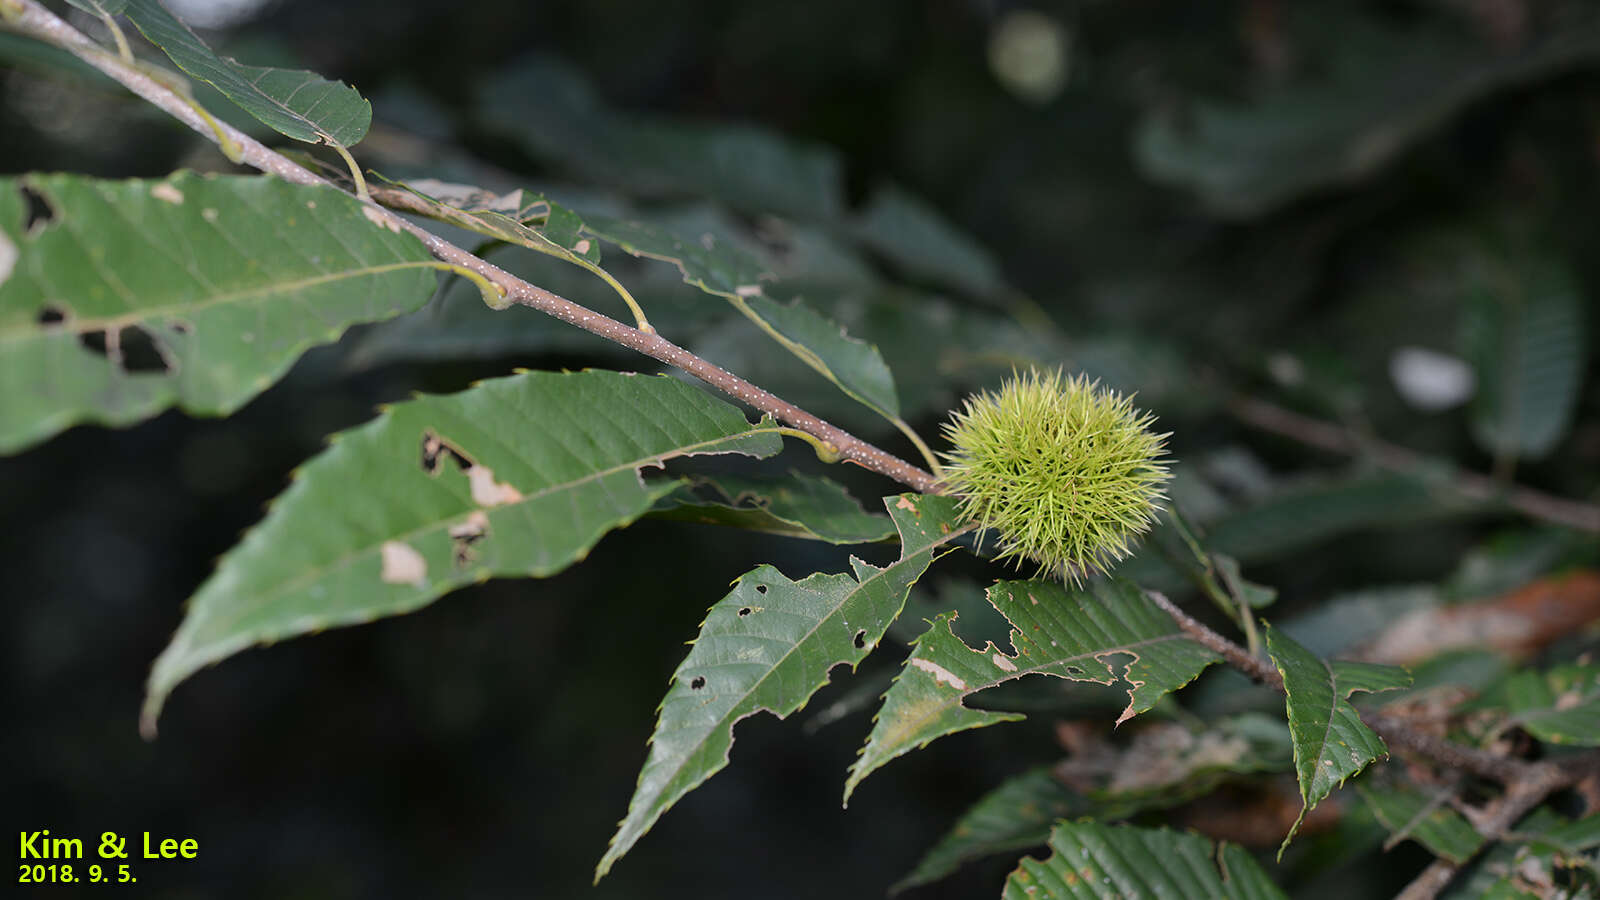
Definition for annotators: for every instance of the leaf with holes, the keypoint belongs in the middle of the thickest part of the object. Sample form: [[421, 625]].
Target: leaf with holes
[[1331, 743], [517, 476], [302, 105], [1066, 634], [797, 505], [1561, 706], [769, 645], [1410, 814], [1090, 861], [127, 297], [1523, 332], [720, 268]]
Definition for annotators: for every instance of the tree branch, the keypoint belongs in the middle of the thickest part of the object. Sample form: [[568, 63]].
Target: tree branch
[[29, 17], [1306, 430]]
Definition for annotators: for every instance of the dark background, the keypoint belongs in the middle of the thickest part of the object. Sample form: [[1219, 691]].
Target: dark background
[[487, 745]]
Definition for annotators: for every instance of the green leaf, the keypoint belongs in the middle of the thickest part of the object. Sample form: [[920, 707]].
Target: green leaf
[[913, 236], [769, 645], [1165, 764], [1523, 332], [797, 505], [1561, 706], [1016, 815], [1410, 814], [517, 476], [1065, 634], [299, 104], [557, 117], [722, 268], [196, 291], [1331, 743], [1093, 861]]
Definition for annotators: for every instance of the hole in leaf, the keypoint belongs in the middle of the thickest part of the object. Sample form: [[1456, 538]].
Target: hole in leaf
[[38, 214], [52, 315], [861, 639], [130, 349], [761, 589], [744, 611], [698, 683], [436, 449]]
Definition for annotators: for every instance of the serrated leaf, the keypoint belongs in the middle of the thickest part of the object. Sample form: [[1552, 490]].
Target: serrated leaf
[[556, 116], [515, 476], [523, 217], [1435, 825], [797, 505], [1066, 634], [1331, 743], [769, 645], [721, 268], [1013, 816], [221, 280], [299, 104], [1093, 861], [1561, 706], [1523, 332]]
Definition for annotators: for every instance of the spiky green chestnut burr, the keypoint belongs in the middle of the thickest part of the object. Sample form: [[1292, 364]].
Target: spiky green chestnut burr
[[1063, 471]]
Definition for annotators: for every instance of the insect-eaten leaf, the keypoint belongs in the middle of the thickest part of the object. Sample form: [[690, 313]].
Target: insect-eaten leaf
[[392, 515], [1331, 743], [129, 297], [1074, 635], [770, 644]]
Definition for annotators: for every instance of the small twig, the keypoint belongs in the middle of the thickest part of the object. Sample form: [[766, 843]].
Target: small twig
[[1484, 488], [39, 22]]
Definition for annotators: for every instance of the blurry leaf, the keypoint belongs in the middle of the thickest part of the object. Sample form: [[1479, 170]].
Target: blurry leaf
[[1494, 875], [1409, 814], [1377, 90], [1298, 517], [1072, 635], [1331, 743], [769, 645], [515, 476], [1256, 596], [913, 236], [1544, 611], [1561, 706], [299, 104], [197, 291], [797, 505], [1523, 332], [1016, 815], [1165, 763], [1092, 861], [556, 116]]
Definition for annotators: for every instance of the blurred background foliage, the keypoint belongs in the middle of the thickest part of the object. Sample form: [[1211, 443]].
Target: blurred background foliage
[[1379, 215]]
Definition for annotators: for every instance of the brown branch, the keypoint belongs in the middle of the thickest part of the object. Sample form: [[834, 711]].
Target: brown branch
[[29, 17], [1483, 488]]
